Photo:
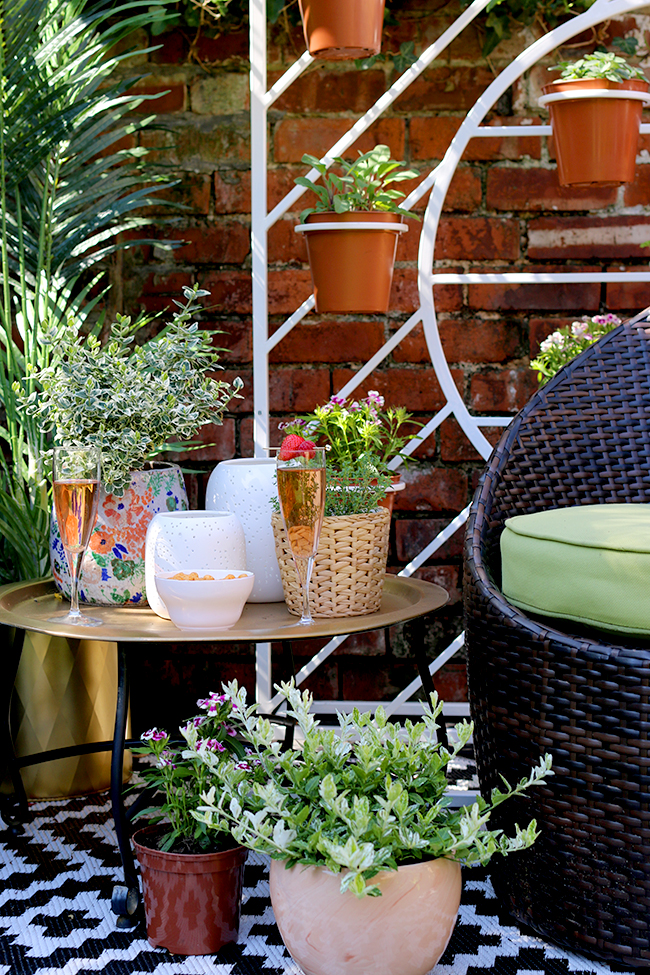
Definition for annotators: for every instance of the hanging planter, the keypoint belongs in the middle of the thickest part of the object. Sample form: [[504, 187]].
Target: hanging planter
[[595, 110], [192, 902], [351, 258], [337, 30]]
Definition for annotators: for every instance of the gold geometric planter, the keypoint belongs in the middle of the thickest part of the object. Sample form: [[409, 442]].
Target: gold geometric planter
[[64, 694]]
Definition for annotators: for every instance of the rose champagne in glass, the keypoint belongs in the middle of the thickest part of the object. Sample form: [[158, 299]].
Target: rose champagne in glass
[[301, 492], [76, 475]]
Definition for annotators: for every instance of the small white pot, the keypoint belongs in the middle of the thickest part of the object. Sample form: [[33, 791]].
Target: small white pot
[[188, 540]]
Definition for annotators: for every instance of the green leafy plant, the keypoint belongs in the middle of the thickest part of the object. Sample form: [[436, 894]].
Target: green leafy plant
[[354, 430], [564, 344], [179, 776], [364, 184], [130, 400], [601, 65], [364, 798], [354, 488], [68, 197]]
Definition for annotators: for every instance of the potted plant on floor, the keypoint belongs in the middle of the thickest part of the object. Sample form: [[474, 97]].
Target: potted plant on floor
[[131, 400], [365, 846], [337, 30], [350, 565], [365, 429], [352, 231], [595, 109], [192, 876]]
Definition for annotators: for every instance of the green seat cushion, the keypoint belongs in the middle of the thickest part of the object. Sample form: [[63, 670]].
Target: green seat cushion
[[590, 564]]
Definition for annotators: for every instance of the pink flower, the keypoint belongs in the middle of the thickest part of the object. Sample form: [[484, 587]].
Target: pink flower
[[154, 734]]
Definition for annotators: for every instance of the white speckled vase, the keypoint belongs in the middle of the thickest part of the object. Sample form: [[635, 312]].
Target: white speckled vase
[[246, 486], [191, 540], [403, 932]]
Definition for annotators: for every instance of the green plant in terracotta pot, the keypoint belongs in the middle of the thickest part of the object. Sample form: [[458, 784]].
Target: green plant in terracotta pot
[[181, 860], [365, 845], [352, 230], [595, 109], [132, 400]]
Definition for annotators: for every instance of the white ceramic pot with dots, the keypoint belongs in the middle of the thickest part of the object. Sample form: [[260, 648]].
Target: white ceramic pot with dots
[[184, 540], [246, 486]]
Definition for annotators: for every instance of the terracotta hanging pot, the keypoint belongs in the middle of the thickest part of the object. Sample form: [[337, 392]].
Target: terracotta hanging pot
[[113, 568], [596, 129], [192, 902], [351, 258], [404, 930], [397, 484], [336, 30]]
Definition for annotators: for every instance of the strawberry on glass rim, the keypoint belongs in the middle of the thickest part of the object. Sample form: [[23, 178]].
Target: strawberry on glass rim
[[294, 445]]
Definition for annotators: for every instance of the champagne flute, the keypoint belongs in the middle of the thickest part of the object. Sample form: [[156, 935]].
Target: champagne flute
[[301, 492], [75, 475]]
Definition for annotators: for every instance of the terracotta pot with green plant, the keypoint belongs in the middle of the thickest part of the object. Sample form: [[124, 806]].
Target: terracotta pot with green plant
[[595, 109], [337, 30], [192, 877], [365, 846], [352, 231]]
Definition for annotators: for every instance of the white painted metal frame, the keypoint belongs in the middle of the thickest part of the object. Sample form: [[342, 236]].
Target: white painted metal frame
[[438, 181]]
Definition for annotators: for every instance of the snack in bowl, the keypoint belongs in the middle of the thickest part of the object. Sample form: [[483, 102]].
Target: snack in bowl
[[204, 600]]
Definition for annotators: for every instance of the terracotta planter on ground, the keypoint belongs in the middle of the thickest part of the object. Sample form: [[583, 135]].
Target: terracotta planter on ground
[[596, 129], [351, 257], [404, 931], [336, 30], [192, 902]]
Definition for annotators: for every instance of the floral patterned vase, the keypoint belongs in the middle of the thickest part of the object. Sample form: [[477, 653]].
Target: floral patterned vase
[[113, 572]]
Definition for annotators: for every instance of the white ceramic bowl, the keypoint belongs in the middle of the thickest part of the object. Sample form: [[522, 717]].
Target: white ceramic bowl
[[205, 605]]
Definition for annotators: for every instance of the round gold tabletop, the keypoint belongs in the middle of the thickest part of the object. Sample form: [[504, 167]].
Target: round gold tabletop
[[28, 605]]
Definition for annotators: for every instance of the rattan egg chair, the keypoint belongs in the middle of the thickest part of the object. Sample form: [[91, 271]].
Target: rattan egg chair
[[537, 685]]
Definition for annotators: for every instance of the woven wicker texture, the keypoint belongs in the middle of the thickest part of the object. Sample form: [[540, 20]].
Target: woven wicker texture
[[537, 686], [349, 568]]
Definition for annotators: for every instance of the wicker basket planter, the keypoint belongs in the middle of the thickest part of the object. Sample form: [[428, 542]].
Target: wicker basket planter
[[349, 568]]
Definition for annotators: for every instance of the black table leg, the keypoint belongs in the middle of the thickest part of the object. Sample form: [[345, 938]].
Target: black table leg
[[126, 897], [13, 806], [418, 629]]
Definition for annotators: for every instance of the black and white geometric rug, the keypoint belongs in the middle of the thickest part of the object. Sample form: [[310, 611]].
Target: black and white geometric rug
[[56, 883]]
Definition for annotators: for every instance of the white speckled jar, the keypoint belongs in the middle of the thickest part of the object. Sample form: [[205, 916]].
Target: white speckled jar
[[189, 540], [246, 486]]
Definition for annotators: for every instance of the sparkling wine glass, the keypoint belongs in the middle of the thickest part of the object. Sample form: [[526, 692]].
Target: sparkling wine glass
[[76, 473], [301, 491]]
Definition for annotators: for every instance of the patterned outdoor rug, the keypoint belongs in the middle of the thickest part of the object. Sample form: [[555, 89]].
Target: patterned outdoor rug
[[55, 913]]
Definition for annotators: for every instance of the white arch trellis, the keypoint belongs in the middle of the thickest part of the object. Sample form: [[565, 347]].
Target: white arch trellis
[[438, 181]]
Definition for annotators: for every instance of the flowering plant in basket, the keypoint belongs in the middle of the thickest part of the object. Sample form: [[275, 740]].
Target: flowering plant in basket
[[361, 799], [565, 344], [353, 430], [179, 774]]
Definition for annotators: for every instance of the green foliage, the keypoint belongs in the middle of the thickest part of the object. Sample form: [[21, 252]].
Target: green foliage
[[67, 195], [180, 777], [502, 15], [602, 65], [354, 488], [402, 60], [130, 400], [364, 184], [362, 799], [564, 344], [354, 430]]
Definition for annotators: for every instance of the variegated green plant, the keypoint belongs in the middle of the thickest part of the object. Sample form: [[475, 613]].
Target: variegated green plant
[[131, 400], [360, 799]]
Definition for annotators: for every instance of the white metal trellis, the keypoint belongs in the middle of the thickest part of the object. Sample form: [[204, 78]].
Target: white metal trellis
[[438, 181]]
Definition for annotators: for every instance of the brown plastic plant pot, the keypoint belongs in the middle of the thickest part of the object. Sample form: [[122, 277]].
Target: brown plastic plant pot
[[336, 30], [352, 266], [192, 902], [596, 138]]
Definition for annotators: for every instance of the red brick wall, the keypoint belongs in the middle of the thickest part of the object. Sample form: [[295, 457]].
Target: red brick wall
[[505, 210]]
